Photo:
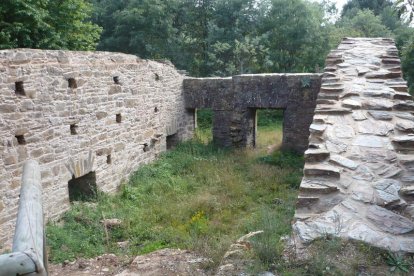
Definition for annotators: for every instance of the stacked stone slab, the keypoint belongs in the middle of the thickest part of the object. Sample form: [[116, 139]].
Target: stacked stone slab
[[235, 101], [78, 112], [359, 174]]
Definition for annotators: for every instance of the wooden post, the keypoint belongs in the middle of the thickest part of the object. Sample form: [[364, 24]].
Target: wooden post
[[28, 244]]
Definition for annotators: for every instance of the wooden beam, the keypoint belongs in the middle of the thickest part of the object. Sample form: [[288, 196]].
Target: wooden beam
[[17, 263], [29, 232]]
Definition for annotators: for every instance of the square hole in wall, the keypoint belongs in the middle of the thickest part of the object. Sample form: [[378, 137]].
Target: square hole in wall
[[108, 159], [83, 188], [116, 80], [73, 129], [118, 118], [72, 83], [20, 139], [19, 88], [172, 141]]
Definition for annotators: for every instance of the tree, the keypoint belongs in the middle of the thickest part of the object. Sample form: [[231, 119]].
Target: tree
[[405, 9], [365, 24], [376, 6], [47, 24], [295, 35], [408, 64]]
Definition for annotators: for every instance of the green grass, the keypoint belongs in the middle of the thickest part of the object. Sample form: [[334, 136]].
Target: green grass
[[196, 197]]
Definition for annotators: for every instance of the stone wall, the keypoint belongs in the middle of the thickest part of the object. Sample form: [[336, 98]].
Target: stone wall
[[359, 174], [235, 101], [81, 112]]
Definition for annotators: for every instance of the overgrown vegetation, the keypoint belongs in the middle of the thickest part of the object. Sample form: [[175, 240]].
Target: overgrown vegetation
[[202, 198], [196, 197]]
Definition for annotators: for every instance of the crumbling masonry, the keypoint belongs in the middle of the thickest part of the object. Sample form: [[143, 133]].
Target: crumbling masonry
[[92, 118]]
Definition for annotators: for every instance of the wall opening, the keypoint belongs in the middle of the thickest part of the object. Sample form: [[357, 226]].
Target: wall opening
[[157, 77], [204, 124], [72, 83], [118, 118], [268, 130], [19, 88], [108, 159], [83, 188], [20, 139], [73, 129], [172, 141], [116, 80]]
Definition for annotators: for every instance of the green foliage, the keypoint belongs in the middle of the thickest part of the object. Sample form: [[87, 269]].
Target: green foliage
[[398, 262], [205, 118], [365, 24], [408, 64], [376, 6], [270, 118], [47, 24]]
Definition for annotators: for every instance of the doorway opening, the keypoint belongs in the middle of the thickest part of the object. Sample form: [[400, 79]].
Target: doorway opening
[[83, 188], [204, 125], [268, 129]]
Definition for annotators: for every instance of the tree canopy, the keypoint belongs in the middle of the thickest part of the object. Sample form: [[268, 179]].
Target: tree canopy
[[47, 24], [208, 37]]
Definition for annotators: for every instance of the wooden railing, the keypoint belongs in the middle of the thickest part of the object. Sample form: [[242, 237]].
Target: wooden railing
[[29, 250]]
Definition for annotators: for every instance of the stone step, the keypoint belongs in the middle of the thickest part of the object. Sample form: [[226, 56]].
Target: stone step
[[394, 68], [399, 87], [316, 188], [408, 178], [321, 170], [318, 119], [406, 161], [326, 80], [349, 94], [402, 96], [316, 155], [306, 201], [404, 141], [324, 109], [381, 115], [333, 61], [343, 161], [328, 75], [378, 94], [317, 128], [324, 101], [329, 89], [407, 191], [391, 61], [351, 104], [405, 116], [404, 106], [331, 84], [383, 75], [377, 104], [405, 126], [330, 69], [324, 96]]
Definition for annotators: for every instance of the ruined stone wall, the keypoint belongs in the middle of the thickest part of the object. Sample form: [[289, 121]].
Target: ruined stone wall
[[235, 101], [359, 174], [78, 112]]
